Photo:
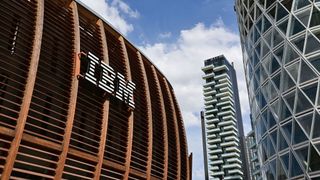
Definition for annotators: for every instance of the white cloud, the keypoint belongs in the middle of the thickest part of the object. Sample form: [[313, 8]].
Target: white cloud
[[165, 35], [182, 60], [113, 13], [126, 8]]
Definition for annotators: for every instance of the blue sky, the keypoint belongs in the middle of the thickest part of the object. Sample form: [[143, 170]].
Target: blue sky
[[172, 16], [177, 36]]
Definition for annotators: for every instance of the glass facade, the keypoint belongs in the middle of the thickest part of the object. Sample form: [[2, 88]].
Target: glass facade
[[281, 52], [252, 154]]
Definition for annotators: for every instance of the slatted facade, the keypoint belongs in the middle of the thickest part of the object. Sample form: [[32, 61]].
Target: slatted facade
[[56, 124]]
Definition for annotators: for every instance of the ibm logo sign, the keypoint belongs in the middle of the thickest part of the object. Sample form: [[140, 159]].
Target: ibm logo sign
[[104, 77]]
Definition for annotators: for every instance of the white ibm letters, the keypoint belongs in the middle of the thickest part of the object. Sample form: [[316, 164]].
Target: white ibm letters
[[103, 76]]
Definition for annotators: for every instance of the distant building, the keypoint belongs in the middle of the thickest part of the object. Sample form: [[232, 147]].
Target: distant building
[[280, 42], [252, 155], [224, 148]]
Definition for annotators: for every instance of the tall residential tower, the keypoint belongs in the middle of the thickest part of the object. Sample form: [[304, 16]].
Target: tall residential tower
[[222, 123], [281, 53]]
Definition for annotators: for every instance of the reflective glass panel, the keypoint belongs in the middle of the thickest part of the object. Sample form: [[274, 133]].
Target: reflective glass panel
[[287, 81], [311, 91], [306, 76], [289, 98], [282, 142], [315, 17], [281, 174], [298, 134], [281, 12], [300, 4], [293, 70], [299, 43], [306, 121], [287, 129], [316, 126], [314, 164], [304, 16], [295, 167], [285, 112], [287, 4], [277, 38], [303, 156], [315, 61], [285, 161], [296, 26], [290, 54], [302, 103]]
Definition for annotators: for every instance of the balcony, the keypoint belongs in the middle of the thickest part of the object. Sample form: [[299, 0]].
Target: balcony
[[216, 140], [225, 113], [230, 127], [222, 85], [210, 116], [216, 173], [210, 127], [216, 151], [216, 162], [210, 101], [210, 93], [230, 155], [209, 107], [233, 177], [208, 98], [234, 160], [211, 145], [214, 168], [208, 84], [208, 75], [232, 166], [215, 130], [221, 76], [212, 121], [224, 103], [235, 171], [223, 80], [226, 144], [226, 123], [207, 67], [229, 118], [232, 149], [231, 138], [219, 68], [224, 94], [226, 89], [211, 111], [206, 89], [229, 133], [226, 98], [211, 136], [228, 108]]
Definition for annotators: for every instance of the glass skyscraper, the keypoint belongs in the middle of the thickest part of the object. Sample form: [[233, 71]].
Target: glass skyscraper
[[281, 53], [224, 149], [252, 154]]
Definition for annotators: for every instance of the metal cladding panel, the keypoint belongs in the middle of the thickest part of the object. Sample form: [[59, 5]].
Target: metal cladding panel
[[139, 155], [15, 56], [55, 123], [158, 134]]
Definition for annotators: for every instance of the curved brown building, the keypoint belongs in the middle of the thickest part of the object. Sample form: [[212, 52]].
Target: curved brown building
[[104, 113]]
